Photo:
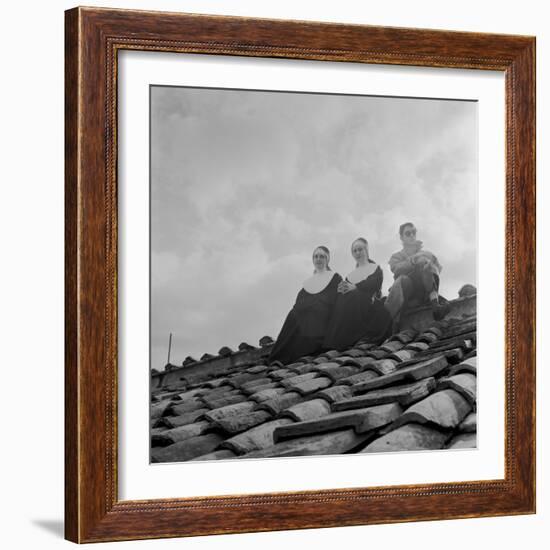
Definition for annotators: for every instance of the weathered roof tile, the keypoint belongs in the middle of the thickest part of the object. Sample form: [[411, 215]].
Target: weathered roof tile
[[221, 454], [334, 394], [310, 386], [182, 419], [404, 395], [280, 402], [464, 383], [176, 408], [233, 424], [424, 369], [361, 420], [229, 410], [447, 408], [336, 442], [186, 450], [256, 389], [297, 379], [307, 410], [231, 398], [469, 424], [180, 433], [336, 372], [463, 441], [410, 437], [359, 377], [265, 394], [259, 437]]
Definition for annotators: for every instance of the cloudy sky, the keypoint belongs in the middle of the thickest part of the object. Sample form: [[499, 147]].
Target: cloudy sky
[[245, 184]]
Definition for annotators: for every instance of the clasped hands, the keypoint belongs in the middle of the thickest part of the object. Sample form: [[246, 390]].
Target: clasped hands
[[420, 261], [345, 286]]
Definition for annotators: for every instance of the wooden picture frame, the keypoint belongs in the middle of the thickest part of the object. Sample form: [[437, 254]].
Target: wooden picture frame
[[93, 511]]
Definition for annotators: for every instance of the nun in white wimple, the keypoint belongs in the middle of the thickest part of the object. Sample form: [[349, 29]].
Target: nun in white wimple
[[358, 313], [305, 326]]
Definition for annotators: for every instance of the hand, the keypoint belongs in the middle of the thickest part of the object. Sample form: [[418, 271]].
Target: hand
[[419, 260], [344, 287]]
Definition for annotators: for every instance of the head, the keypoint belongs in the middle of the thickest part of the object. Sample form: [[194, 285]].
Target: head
[[407, 233], [321, 258], [360, 250]]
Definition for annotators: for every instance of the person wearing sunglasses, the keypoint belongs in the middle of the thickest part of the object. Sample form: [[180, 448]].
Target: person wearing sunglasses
[[359, 313], [306, 324], [416, 273]]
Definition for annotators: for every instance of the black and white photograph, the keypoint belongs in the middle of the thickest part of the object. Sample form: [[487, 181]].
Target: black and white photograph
[[313, 274]]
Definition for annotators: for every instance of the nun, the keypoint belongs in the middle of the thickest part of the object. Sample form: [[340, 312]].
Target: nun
[[306, 324], [359, 313]]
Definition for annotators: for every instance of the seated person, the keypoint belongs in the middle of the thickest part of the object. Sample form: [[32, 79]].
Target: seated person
[[359, 314], [416, 273], [305, 326]]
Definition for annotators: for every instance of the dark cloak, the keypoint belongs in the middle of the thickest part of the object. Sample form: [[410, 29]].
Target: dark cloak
[[359, 315], [306, 324]]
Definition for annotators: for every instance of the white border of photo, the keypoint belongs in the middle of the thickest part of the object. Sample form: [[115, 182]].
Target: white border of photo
[[138, 479]]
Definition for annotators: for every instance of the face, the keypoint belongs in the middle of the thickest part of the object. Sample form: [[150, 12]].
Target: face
[[359, 251], [409, 234], [320, 259]]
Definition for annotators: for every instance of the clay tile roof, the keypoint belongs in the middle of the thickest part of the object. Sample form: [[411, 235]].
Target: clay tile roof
[[243, 346], [265, 341], [225, 351], [416, 391]]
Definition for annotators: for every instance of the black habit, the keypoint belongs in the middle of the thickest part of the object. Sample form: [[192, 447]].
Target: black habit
[[359, 314], [306, 325]]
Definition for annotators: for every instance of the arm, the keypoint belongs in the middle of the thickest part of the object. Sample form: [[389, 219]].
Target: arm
[[373, 283], [400, 264]]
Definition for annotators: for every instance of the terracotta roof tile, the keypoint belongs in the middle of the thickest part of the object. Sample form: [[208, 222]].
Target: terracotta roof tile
[[182, 419], [291, 381], [463, 441], [411, 437], [280, 402], [469, 424], [265, 394], [310, 386], [229, 411], [447, 408], [186, 450], [304, 368], [234, 424], [221, 454], [424, 369], [361, 420], [256, 438], [335, 372], [404, 395], [256, 389], [336, 442], [231, 398], [307, 410], [464, 383], [181, 433], [358, 378], [333, 394]]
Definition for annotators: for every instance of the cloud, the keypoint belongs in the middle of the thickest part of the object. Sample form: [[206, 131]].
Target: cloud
[[246, 184]]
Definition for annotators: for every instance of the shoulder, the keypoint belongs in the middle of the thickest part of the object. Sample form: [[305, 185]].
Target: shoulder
[[377, 270], [398, 255]]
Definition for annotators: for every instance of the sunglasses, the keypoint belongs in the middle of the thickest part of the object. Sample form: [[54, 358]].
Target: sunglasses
[[409, 233]]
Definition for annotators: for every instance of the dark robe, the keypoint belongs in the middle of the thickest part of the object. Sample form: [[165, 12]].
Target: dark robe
[[306, 325], [359, 315]]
